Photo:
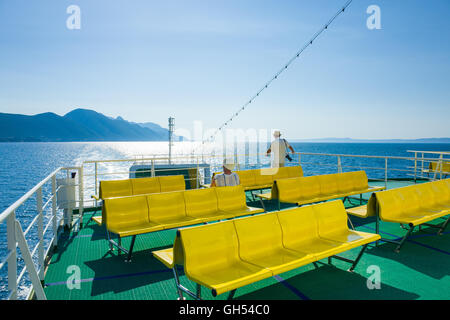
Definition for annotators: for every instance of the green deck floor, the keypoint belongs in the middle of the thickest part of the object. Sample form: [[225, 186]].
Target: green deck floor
[[420, 271]]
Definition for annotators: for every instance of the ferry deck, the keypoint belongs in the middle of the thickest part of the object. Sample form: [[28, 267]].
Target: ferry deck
[[419, 271]]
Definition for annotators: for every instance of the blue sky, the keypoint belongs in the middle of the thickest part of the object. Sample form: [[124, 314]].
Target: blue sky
[[201, 60]]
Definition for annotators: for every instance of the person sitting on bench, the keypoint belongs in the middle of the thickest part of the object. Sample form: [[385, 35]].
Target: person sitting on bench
[[227, 178]]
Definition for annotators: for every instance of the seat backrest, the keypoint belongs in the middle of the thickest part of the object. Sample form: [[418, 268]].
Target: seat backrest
[[172, 183], [309, 187], [441, 190], [389, 204], [230, 198], [164, 206], [246, 177], [360, 181], [295, 171], [281, 173], [258, 235], [209, 246], [426, 195], [345, 182], [264, 176], [115, 188], [298, 225], [178, 253], [200, 202], [145, 185], [331, 217], [123, 212], [328, 184], [286, 190], [409, 197]]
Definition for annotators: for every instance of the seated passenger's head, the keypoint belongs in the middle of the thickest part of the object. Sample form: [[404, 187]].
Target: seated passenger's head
[[228, 166]]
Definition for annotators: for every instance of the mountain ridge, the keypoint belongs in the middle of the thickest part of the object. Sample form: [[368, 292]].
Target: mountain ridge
[[77, 125]]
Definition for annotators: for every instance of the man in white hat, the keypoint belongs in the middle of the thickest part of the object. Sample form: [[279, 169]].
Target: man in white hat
[[227, 178], [279, 146]]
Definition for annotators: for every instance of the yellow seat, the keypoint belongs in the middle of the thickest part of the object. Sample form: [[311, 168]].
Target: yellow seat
[[172, 183], [300, 233], [281, 173], [428, 199], [169, 210], [247, 178], [310, 188], [171, 256], [231, 202], [261, 244], [211, 258], [264, 177], [403, 205], [115, 188], [332, 225], [345, 182], [202, 204], [360, 181], [294, 171], [145, 185], [291, 190], [328, 185], [365, 211], [128, 216]]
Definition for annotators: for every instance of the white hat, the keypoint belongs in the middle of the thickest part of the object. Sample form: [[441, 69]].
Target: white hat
[[229, 164], [276, 133]]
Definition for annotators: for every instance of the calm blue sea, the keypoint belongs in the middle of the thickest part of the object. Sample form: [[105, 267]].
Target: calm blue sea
[[23, 165]]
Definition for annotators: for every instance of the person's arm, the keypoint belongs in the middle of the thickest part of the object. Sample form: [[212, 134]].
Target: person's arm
[[268, 151], [289, 146], [213, 183]]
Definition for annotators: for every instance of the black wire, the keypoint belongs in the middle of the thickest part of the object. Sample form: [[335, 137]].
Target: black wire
[[286, 65]]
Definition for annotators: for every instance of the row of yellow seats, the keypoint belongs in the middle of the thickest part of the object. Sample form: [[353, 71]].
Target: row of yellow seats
[[312, 189], [138, 186], [412, 205], [415, 204], [228, 255], [256, 179], [264, 178], [131, 216]]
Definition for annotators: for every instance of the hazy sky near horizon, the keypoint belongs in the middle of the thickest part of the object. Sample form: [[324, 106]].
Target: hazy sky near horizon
[[201, 60]]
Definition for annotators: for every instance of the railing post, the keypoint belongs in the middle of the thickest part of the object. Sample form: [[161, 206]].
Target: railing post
[[422, 175], [96, 186], [197, 175], [415, 167], [41, 251], [385, 172], [12, 260], [153, 167], [54, 212], [80, 196], [339, 164]]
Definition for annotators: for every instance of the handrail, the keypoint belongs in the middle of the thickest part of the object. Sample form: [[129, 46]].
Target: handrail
[[16, 237], [26, 196]]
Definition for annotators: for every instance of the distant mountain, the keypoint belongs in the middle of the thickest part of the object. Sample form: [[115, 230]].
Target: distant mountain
[[350, 140], [77, 125]]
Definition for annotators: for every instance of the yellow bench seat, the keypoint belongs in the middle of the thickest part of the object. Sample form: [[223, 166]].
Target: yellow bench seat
[[137, 229], [228, 255]]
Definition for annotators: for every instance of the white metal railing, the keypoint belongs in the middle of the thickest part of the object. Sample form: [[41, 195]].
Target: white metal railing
[[386, 166], [442, 158], [16, 237]]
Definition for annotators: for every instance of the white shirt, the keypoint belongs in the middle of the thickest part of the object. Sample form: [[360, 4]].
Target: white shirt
[[278, 148], [227, 180]]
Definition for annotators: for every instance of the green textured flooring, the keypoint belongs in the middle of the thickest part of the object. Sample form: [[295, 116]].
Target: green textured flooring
[[420, 271]]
